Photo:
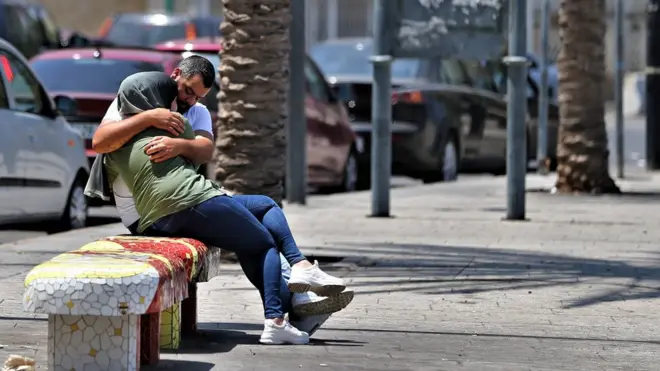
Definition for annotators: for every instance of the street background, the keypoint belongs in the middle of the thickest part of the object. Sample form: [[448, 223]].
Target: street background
[[443, 285]]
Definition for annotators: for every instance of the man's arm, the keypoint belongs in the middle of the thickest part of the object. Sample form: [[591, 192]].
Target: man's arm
[[114, 132], [200, 149], [111, 134]]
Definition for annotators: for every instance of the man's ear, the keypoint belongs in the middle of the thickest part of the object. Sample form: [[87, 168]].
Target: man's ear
[[176, 73]]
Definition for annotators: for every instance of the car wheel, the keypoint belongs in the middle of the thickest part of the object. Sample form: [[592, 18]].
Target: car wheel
[[350, 177], [448, 171], [76, 210]]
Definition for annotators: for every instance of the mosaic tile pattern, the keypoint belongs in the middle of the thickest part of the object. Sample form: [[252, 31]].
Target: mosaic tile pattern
[[126, 279], [115, 276], [170, 327], [93, 343]]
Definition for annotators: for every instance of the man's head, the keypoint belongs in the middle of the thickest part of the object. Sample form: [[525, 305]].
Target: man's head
[[194, 76]]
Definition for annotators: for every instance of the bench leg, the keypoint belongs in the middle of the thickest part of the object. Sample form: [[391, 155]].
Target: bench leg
[[170, 327], [189, 312], [149, 338], [93, 343]]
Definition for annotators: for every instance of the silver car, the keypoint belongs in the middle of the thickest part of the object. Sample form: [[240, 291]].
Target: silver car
[[43, 167]]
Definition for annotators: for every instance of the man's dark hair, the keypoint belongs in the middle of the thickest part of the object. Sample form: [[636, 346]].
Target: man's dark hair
[[196, 65]]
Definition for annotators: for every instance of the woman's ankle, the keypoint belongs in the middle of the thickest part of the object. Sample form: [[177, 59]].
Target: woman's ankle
[[303, 264], [278, 321]]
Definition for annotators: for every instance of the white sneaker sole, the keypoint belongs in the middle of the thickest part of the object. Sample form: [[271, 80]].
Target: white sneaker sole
[[267, 341], [328, 305], [323, 290]]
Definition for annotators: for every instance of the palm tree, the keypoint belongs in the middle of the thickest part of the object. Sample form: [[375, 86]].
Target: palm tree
[[582, 152], [251, 146]]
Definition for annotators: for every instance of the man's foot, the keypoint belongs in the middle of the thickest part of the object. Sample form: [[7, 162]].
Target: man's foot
[[310, 324], [310, 304], [283, 334], [315, 280]]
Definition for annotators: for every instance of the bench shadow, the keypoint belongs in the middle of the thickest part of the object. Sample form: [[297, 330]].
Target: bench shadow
[[175, 364]]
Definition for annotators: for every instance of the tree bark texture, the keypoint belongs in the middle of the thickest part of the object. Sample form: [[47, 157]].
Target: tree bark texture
[[251, 144], [582, 152]]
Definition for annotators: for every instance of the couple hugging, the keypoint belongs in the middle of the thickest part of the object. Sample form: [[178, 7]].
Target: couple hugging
[[150, 144]]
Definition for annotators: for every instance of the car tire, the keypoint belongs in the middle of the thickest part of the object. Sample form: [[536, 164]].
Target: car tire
[[76, 210], [351, 174], [449, 163]]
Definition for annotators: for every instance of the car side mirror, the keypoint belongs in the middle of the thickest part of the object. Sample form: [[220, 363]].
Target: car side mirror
[[65, 106]]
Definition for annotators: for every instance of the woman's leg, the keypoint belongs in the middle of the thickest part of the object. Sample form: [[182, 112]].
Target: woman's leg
[[271, 216], [223, 222], [254, 273], [305, 276]]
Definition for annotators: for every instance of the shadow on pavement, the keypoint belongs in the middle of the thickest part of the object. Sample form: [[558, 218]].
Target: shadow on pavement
[[449, 270], [223, 337], [175, 364], [486, 335]]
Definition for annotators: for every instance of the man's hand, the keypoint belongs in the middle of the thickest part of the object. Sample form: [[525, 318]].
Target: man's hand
[[167, 120], [160, 149]]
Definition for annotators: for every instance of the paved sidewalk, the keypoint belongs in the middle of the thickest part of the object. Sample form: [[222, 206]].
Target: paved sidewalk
[[444, 285]]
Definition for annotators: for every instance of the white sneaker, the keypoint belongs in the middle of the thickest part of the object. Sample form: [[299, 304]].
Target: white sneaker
[[310, 324], [315, 280], [284, 334], [310, 304]]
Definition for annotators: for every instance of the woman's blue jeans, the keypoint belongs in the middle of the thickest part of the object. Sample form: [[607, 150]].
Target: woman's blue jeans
[[254, 228]]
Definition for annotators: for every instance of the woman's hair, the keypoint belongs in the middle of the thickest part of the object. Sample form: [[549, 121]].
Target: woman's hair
[[144, 91]]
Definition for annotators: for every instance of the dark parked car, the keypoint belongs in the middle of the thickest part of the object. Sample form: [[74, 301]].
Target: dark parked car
[[91, 76], [332, 146], [30, 28], [149, 29], [448, 114]]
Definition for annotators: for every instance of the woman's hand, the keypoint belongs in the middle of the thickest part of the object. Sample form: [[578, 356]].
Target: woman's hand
[[161, 149], [172, 122]]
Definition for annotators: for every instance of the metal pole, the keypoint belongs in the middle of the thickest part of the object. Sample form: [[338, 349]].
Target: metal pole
[[542, 119], [381, 115], [296, 130], [530, 26], [516, 149], [652, 95], [618, 87], [332, 19]]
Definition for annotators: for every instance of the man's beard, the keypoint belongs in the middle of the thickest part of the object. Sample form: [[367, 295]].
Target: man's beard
[[182, 106]]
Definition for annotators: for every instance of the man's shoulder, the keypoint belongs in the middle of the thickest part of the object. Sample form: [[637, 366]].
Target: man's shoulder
[[198, 108]]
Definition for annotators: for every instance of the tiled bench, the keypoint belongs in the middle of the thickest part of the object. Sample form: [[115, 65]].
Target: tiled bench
[[113, 303]]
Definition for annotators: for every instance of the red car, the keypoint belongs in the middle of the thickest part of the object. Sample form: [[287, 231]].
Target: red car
[[91, 76], [332, 146]]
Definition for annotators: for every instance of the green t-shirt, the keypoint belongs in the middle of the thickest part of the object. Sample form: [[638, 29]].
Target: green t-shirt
[[164, 188]]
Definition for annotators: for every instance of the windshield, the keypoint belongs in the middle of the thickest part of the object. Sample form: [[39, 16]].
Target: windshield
[[353, 59], [130, 33], [88, 75]]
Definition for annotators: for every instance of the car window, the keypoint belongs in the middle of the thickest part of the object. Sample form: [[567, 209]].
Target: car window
[[93, 75], [353, 59], [23, 86], [452, 72], [498, 72], [15, 26], [131, 32], [49, 27], [316, 85], [479, 75]]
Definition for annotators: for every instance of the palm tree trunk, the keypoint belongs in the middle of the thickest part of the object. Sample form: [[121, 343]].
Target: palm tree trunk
[[582, 152], [251, 146]]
